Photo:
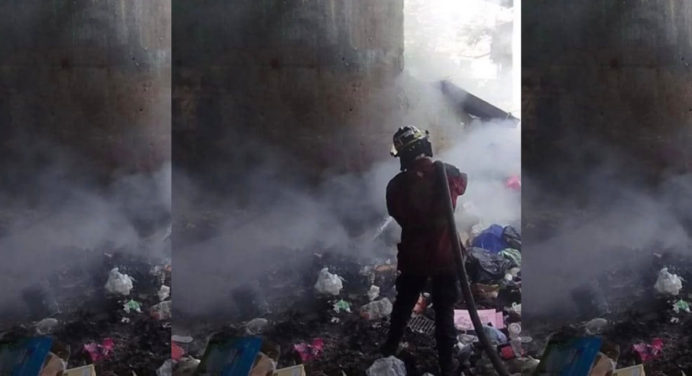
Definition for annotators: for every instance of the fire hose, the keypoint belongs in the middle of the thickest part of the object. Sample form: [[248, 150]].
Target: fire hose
[[463, 277]]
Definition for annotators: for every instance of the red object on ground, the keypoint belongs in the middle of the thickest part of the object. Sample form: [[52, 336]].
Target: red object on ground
[[513, 182], [311, 351], [507, 353], [649, 351], [177, 352]]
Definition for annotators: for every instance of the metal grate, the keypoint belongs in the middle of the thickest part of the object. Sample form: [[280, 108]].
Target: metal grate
[[421, 324]]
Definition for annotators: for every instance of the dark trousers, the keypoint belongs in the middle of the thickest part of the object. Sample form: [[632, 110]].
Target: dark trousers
[[444, 295]]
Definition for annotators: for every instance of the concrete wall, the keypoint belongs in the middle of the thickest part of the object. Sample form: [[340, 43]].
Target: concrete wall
[[307, 77], [601, 78], [93, 76], [614, 70]]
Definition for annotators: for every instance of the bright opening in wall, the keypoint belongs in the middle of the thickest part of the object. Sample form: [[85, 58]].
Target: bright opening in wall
[[473, 43]]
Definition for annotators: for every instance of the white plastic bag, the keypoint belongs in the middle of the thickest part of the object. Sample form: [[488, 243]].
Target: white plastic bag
[[328, 283], [373, 293], [118, 283], [377, 309], [667, 283], [389, 366]]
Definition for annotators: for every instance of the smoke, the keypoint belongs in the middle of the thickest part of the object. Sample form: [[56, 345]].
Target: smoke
[[259, 203], [62, 216], [231, 234], [611, 219]]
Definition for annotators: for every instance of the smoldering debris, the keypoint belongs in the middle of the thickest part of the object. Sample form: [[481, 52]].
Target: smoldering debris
[[65, 228], [93, 326], [651, 330], [334, 340]]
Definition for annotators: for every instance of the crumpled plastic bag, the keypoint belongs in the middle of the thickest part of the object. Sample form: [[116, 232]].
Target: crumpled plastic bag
[[668, 283], [377, 310], [328, 283], [389, 366], [119, 283]]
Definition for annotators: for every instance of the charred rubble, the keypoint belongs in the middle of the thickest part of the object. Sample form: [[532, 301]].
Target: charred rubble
[[89, 325], [286, 310]]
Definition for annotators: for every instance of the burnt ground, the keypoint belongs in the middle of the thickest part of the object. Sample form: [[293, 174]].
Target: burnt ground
[[296, 314], [637, 314], [86, 313]]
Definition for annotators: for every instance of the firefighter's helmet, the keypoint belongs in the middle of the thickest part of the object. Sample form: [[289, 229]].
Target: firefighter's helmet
[[409, 143]]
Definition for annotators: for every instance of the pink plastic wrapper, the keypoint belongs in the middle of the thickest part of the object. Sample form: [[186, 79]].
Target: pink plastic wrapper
[[99, 351], [462, 319], [513, 182], [649, 351], [311, 351]]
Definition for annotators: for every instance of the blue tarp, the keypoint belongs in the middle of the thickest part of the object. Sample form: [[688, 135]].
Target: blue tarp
[[491, 239]]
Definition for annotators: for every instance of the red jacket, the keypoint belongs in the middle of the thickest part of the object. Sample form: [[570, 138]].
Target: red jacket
[[411, 200]]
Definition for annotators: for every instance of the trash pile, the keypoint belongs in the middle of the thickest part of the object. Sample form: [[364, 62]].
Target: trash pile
[[109, 319], [650, 334], [329, 315]]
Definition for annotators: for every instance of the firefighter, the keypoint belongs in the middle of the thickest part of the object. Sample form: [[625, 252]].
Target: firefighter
[[425, 253]]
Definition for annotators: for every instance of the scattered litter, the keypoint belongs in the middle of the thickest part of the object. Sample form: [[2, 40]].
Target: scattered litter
[[485, 266], [53, 366], [342, 305], [264, 366], [161, 311], [132, 305], [487, 292], [119, 283], [596, 326], [88, 370], [495, 335], [164, 292], [373, 293], [421, 324], [229, 356], [513, 255], [177, 352], [637, 370], [328, 283], [668, 283], [467, 338], [491, 239], [256, 326], [603, 366], [648, 352], [310, 351], [377, 309], [186, 366], [389, 366], [181, 339], [298, 370], [166, 368], [462, 319], [569, 356], [99, 351], [46, 326], [681, 305]]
